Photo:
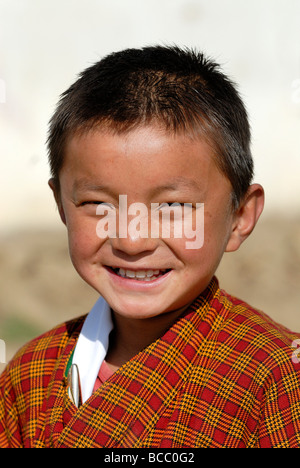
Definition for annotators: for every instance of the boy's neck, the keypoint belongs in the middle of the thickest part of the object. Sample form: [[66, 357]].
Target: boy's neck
[[130, 336]]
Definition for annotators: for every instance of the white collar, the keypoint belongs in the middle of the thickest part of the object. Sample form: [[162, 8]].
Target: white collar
[[92, 345]]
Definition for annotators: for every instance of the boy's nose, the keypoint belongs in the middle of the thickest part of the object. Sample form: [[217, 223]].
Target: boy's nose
[[133, 244]]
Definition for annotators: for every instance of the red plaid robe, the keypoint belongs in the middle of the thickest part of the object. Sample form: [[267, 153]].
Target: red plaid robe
[[221, 376]]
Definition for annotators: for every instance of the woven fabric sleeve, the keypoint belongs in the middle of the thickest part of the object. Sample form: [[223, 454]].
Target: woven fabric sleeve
[[280, 421], [24, 383], [10, 434]]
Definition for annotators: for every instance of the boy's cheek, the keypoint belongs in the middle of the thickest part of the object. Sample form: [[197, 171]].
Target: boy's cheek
[[82, 236]]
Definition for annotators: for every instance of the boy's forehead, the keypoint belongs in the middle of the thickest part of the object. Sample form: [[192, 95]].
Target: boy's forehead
[[149, 140], [169, 161], [153, 134]]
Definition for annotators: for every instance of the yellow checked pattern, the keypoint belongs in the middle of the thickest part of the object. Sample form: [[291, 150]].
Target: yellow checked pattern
[[221, 376]]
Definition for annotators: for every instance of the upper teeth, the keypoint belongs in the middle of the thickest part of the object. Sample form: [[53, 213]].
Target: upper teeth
[[140, 274]]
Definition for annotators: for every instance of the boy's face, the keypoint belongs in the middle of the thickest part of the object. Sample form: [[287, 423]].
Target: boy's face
[[148, 165]]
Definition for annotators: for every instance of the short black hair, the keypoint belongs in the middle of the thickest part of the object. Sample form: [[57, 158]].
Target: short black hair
[[179, 88]]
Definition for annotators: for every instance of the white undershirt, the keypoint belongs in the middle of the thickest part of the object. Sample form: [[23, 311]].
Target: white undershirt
[[92, 345]]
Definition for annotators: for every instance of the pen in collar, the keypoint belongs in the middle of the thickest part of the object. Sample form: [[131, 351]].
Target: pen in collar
[[74, 389]]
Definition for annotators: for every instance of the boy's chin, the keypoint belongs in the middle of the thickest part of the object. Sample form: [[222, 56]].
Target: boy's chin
[[146, 310], [137, 312]]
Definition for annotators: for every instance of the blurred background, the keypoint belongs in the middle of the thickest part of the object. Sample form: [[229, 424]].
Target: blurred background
[[45, 44]]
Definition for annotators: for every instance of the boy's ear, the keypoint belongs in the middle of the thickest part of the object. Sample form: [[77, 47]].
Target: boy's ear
[[246, 217], [53, 185]]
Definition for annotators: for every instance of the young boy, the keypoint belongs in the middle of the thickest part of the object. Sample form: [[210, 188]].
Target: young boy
[[152, 175]]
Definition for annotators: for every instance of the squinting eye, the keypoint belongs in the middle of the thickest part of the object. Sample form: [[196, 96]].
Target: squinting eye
[[171, 205], [91, 203]]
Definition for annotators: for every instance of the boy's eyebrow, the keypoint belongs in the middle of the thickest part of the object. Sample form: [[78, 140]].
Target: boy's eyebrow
[[178, 183], [84, 184], [173, 185]]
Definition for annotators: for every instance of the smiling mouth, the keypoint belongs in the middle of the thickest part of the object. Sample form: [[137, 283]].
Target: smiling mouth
[[139, 275]]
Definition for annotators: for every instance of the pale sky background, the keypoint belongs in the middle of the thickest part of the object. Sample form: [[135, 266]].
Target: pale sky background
[[44, 44]]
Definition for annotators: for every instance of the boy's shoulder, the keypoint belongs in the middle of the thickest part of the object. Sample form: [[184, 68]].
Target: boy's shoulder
[[24, 382], [235, 326], [48, 346], [248, 330]]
